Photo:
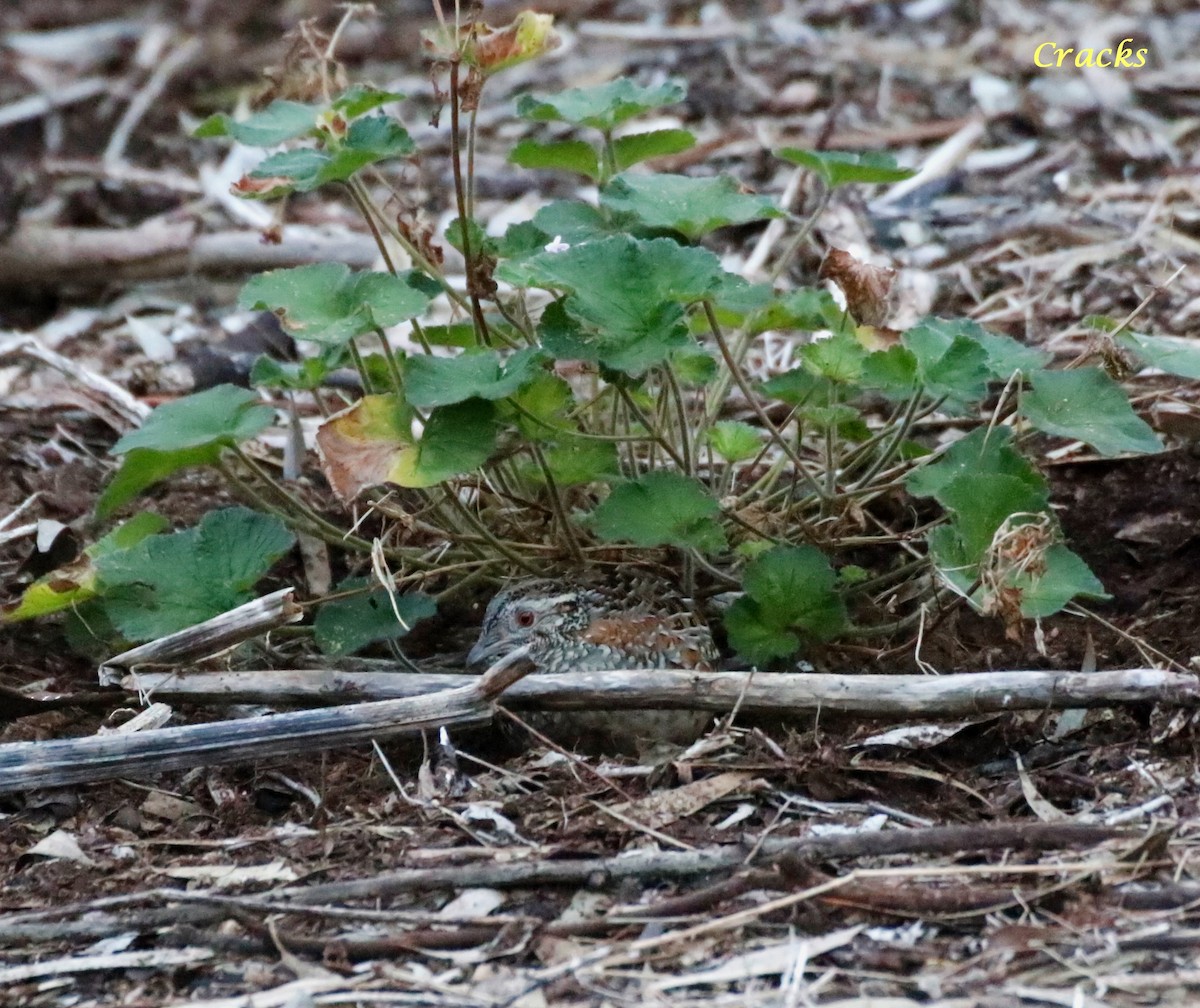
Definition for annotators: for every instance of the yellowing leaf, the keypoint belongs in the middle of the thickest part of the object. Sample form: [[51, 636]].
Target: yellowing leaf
[[372, 442]]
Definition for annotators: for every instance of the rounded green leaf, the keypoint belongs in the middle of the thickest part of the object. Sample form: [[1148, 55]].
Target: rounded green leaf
[[327, 303], [796, 588], [279, 121], [735, 441], [661, 509], [637, 147], [343, 626], [1087, 405], [440, 381], [691, 206], [624, 298], [566, 155], [574, 461], [983, 452], [839, 168], [602, 107], [224, 415], [168, 582], [1173, 354], [370, 139], [1064, 578], [361, 98], [758, 639]]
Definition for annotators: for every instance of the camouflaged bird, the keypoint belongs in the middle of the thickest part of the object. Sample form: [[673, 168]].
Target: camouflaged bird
[[571, 626]]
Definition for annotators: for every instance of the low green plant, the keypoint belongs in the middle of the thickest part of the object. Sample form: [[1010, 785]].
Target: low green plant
[[575, 410]]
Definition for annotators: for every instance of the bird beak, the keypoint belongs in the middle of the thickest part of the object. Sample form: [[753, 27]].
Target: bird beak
[[482, 655]]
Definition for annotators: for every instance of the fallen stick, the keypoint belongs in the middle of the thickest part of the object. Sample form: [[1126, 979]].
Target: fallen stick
[[40, 256], [883, 696], [59, 762]]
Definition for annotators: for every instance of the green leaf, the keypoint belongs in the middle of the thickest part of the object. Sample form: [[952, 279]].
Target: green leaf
[[624, 298], [1066, 577], [361, 98], [73, 584], [982, 452], [839, 358], [143, 467], [168, 582], [637, 147], [574, 461], [838, 168], [845, 420], [796, 587], [456, 334], [1004, 354], [372, 442], [520, 240], [799, 386], [1087, 405], [735, 301], [691, 206], [327, 303], [304, 375], [480, 241], [981, 502], [369, 140], [892, 371], [758, 639], [692, 366], [456, 439], [661, 508], [735, 441], [954, 562], [574, 222], [956, 370], [343, 626], [805, 310], [544, 402], [279, 121], [791, 598], [283, 173], [128, 533], [1173, 354], [567, 155], [224, 415], [440, 381], [602, 107]]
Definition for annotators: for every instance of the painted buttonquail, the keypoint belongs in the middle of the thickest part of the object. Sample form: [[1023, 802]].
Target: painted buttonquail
[[574, 626]]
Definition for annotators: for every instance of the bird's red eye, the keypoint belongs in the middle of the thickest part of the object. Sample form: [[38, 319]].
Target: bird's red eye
[[525, 618]]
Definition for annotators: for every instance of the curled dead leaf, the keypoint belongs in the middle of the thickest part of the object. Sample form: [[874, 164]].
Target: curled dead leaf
[[867, 288]]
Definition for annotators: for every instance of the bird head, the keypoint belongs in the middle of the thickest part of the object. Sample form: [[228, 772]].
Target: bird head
[[533, 613]]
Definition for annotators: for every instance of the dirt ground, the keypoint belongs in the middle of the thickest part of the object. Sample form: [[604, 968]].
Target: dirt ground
[[785, 862]]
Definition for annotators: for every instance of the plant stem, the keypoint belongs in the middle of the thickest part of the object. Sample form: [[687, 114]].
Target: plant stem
[[889, 453], [460, 196], [295, 505], [805, 230], [938, 598], [393, 364], [689, 460], [361, 367], [556, 504], [740, 379], [482, 530], [657, 438], [362, 200]]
